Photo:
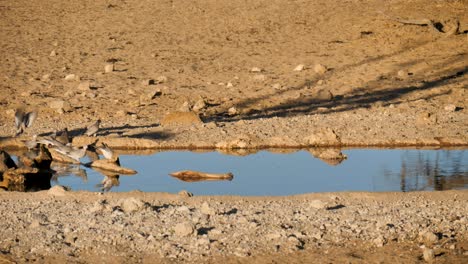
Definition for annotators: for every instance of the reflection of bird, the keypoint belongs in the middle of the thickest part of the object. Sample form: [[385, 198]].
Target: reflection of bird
[[24, 120], [66, 170], [93, 129], [108, 182]]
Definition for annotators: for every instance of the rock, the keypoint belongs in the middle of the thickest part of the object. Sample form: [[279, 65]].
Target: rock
[[184, 229], [317, 204], [45, 77], [324, 137], [185, 194], [402, 74], [320, 69], [181, 118], [206, 209], [161, 79], [255, 69], [323, 95], [450, 108], [428, 254], [259, 77], [98, 206], [69, 93], [71, 77], [425, 118], [130, 205], [299, 67], [120, 113], [232, 111], [53, 53], [273, 236], [84, 86], [199, 105], [111, 166], [147, 97], [428, 237], [229, 85], [276, 86], [185, 107], [148, 82], [380, 241], [60, 104], [57, 190], [109, 68], [320, 82], [183, 209], [238, 143]]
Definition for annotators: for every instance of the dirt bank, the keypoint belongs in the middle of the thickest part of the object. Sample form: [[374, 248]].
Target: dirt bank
[[57, 225], [248, 72]]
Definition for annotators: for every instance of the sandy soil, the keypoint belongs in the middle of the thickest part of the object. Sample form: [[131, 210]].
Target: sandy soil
[[221, 74], [386, 83], [77, 227]]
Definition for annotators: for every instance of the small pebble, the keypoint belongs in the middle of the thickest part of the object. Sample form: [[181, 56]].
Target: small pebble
[[428, 254], [450, 108], [299, 67], [70, 77], [320, 69], [109, 68]]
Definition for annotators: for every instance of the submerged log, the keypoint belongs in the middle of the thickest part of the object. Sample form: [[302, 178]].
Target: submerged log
[[191, 176], [111, 166]]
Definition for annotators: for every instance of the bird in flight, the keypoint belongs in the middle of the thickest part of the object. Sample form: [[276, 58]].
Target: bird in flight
[[23, 120]]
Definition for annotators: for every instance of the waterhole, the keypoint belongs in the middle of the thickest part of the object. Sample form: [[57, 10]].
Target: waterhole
[[279, 172]]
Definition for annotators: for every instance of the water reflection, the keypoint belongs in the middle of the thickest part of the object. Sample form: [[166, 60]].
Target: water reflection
[[276, 173], [438, 170]]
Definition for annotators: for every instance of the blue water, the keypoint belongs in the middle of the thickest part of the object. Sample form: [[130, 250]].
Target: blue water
[[267, 173]]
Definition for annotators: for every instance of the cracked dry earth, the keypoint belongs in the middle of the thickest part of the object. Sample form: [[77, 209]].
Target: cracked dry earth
[[77, 227]]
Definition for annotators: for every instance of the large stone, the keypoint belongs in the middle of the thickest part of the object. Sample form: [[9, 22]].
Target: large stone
[[181, 118], [428, 254], [206, 209], [60, 104], [57, 190], [317, 204], [324, 137], [320, 69], [130, 205], [84, 86], [184, 229]]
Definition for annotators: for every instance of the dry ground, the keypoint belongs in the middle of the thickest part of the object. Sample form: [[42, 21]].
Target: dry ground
[[386, 83]]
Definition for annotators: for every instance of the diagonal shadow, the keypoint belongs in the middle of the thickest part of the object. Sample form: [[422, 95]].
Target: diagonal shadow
[[360, 98]]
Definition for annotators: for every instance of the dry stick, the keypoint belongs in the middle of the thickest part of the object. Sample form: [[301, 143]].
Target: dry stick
[[424, 22]]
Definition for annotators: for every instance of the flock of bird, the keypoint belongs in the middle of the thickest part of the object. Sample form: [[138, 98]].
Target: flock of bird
[[61, 143]]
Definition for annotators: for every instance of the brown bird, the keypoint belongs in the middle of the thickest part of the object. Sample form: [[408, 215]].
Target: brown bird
[[93, 129]]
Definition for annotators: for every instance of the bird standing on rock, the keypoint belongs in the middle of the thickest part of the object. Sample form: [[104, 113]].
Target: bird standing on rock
[[23, 120], [93, 129]]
